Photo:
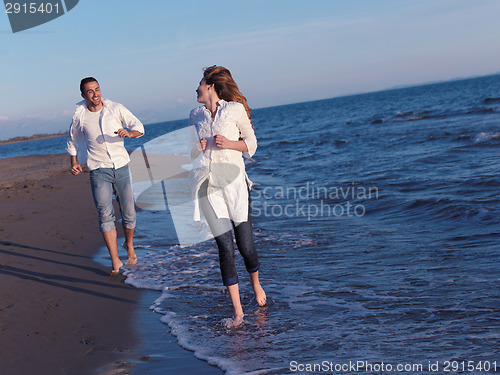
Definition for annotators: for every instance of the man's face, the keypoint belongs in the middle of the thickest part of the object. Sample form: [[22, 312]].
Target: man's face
[[92, 94]]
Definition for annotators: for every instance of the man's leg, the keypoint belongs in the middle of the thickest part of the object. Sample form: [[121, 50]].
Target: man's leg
[[129, 245], [125, 198], [101, 181], [110, 239]]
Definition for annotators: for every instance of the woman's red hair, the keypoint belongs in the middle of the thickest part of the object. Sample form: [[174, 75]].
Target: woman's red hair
[[224, 85]]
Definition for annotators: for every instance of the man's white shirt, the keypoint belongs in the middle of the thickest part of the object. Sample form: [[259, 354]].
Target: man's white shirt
[[92, 135]]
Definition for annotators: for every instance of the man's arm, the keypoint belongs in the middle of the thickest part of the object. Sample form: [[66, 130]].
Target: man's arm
[[75, 165], [72, 141], [136, 128], [124, 133]]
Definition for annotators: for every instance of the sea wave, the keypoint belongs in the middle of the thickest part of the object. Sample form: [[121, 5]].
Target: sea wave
[[486, 137], [444, 208], [412, 116], [491, 100]]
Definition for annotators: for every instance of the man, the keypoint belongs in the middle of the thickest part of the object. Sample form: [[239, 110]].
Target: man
[[96, 136]]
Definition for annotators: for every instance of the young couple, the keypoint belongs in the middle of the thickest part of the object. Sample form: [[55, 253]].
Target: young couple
[[221, 186]]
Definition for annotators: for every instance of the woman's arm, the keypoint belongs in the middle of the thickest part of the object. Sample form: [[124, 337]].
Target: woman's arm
[[248, 142], [223, 142]]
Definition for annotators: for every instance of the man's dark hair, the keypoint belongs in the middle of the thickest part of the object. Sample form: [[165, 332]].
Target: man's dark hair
[[86, 80]]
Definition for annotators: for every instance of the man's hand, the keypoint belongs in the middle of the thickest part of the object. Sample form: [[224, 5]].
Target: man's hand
[[75, 166], [124, 133], [75, 169]]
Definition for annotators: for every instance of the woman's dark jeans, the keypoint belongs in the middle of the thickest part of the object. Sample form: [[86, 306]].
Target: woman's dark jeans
[[242, 233]]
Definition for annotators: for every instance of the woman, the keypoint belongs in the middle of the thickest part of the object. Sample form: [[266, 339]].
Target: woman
[[222, 188]]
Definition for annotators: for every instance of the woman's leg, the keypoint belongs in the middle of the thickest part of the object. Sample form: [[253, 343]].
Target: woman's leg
[[244, 239], [234, 293], [221, 228], [226, 251]]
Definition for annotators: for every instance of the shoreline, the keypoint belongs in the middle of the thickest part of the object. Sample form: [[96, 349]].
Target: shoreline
[[31, 138], [61, 313]]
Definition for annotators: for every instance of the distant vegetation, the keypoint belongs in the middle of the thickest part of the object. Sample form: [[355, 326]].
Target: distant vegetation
[[32, 138]]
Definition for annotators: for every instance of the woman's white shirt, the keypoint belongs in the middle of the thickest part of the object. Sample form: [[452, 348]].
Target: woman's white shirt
[[228, 183]]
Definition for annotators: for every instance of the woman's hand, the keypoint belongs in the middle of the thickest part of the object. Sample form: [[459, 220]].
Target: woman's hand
[[222, 142], [203, 144]]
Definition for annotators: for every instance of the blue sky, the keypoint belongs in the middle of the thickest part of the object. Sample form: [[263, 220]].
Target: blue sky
[[149, 55]]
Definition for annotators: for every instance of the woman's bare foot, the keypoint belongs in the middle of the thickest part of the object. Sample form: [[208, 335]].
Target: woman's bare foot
[[235, 321], [260, 295]]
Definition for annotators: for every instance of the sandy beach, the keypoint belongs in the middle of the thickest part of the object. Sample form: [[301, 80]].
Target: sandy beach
[[60, 312]]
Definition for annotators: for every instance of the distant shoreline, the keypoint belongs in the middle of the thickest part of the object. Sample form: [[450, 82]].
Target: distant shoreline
[[35, 137]]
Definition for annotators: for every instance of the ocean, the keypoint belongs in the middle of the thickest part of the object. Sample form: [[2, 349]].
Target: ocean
[[377, 222]]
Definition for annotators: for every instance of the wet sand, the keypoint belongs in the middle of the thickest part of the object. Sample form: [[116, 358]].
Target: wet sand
[[60, 312]]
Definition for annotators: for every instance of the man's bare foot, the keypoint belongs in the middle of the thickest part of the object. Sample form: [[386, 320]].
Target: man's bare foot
[[132, 258], [260, 295], [116, 269], [131, 261]]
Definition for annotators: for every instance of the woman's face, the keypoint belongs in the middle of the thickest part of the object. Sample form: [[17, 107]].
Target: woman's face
[[203, 92]]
